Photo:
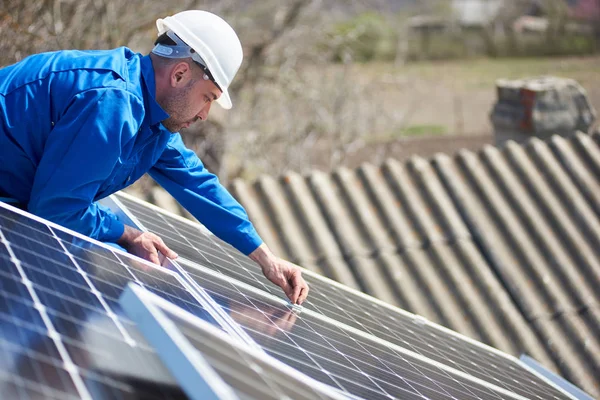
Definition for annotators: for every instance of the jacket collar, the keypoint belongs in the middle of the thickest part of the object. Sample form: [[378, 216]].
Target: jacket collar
[[154, 111]]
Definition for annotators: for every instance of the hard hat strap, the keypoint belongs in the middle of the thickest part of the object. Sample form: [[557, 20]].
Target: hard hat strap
[[182, 50]]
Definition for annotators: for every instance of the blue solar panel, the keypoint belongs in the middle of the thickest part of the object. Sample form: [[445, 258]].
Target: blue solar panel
[[349, 359], [63, 333], [415, 334], [210, 365]]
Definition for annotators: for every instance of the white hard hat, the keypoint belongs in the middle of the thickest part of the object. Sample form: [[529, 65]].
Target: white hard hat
[[214, 40]]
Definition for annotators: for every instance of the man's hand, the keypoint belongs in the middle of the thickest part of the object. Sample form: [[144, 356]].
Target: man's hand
[[282, 273], [145, 245], [268, 320]]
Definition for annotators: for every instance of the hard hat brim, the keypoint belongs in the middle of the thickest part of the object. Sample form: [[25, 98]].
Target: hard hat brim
[[225, 101]]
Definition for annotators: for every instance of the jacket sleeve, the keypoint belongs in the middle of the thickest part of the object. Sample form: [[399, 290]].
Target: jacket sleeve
[[183, 175], [79, 155]]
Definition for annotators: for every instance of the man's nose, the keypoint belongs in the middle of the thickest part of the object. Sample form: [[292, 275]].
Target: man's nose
[[203, 114]]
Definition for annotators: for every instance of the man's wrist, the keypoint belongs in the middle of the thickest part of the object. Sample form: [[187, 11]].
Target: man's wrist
[[262, 256], [129, 235]]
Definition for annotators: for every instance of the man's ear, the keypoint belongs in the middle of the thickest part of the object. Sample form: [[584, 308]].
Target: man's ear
[[180, 74]]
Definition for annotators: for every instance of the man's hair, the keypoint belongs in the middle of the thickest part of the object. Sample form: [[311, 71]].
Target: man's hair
[[165, 39]]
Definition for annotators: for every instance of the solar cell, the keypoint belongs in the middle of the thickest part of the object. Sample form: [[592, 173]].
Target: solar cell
[[344, 357], [423, 337], [241, 372], [194, 242], [63, 333], [351, 308]]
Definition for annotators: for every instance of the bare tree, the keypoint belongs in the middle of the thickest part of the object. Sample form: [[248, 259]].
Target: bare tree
[[290, 102]]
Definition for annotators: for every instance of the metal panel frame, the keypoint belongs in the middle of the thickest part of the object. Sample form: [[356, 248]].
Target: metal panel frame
[[212, 307], [415, 317], [195, 375], [557, 380], [201, 297]]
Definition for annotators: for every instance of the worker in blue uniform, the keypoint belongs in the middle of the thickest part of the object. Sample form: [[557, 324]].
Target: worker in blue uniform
[[77, 126]]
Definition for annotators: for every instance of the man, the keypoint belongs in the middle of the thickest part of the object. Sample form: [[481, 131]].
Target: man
[[78, 126]]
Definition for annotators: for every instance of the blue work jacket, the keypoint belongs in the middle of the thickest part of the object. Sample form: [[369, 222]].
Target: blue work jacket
[[77, 126]]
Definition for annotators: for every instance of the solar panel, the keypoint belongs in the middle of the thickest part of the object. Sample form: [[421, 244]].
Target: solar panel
[[349, 359], [63, 333], [194, 242], [348, 307], [421, 336], [224, 367]]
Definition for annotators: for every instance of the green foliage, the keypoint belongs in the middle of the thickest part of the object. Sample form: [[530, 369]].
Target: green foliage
[[366, 37], [544, 46], [437, 47], [470, 43], [422, 130], [407, 131], [370, 37]]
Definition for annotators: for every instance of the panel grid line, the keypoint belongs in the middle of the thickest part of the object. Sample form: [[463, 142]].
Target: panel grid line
[[409, 314], [363, 334], [451, 352], [232, 327], [128, 339], [333, 344], [313, 358], [196, 227], [52, 333], [222, 317], [344, 382]]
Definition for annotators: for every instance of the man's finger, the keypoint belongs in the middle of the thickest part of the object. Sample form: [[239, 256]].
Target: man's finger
[[153, 257], [162, 247], [303, 291], [300, 286], [284, 285], [303, 295], [296, 292]]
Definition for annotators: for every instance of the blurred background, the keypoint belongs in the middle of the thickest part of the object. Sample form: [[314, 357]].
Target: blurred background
[[339, 82], [498, 243]]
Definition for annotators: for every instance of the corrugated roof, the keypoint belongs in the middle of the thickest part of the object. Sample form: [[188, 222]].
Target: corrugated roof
[[502, 244]]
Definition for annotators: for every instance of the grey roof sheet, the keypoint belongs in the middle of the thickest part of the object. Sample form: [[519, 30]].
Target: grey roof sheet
[[501, 244]]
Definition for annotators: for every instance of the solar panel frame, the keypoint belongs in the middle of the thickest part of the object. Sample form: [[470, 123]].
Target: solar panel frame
[[154, 316], [419, 323], [223, 257], [215, 276], [69, 366], [421, 327], [39, 286], [194, 374], [44, 268]]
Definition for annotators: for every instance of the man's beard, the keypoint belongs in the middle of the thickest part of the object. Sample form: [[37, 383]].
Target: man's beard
[[172, 125], [172, 105]]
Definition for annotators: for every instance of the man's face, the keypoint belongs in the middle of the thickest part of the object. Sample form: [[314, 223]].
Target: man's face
[[189, 99]]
